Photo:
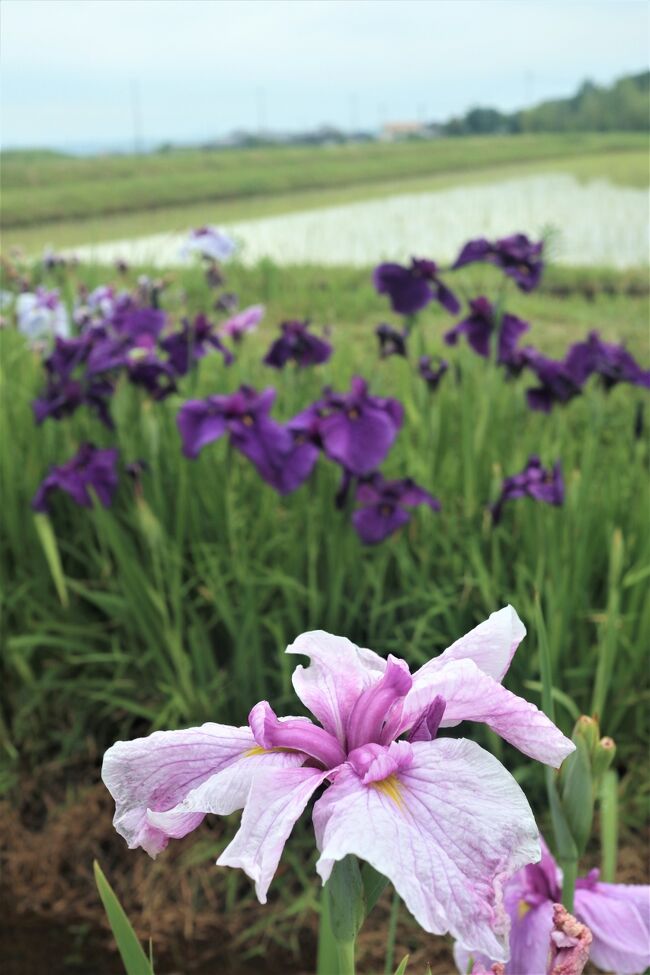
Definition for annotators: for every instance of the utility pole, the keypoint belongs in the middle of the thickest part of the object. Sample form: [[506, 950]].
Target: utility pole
[[260, 101], [136, 116]]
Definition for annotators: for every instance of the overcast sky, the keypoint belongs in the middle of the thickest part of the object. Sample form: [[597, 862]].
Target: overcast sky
[[83, 72]]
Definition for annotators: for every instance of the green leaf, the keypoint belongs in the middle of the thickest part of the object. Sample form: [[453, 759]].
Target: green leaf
[[373, 885], [402, 965], [346, 899], [133, 957], [51, 549]]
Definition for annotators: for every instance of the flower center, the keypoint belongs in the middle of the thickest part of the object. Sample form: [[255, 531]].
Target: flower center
[[391, 787]]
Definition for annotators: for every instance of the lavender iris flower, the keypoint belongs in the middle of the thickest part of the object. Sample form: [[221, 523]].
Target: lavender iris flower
[[535, 482], [89, 468], [209, 242], [410, 289], [384, 506], [42, 315], [391, 342], [440, 817], [430, 373], [299, 345], [241, 323], [517, 256], [479, 327], [357, 430], [618, 916], [191, 343]]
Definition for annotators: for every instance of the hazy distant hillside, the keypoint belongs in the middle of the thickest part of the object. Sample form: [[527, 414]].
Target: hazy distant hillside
[[624, 106]]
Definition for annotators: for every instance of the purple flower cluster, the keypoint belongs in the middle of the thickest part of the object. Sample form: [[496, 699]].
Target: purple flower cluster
[[560, 380], [355, 430], [128, 337], [121, 337]]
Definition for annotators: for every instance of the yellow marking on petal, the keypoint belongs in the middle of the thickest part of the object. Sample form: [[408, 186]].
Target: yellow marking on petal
[[522, 909], [391, 787], [255, 750], [258, 750]]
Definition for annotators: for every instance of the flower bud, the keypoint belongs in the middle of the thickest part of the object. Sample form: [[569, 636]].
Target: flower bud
[[602, 758], [578, 794]]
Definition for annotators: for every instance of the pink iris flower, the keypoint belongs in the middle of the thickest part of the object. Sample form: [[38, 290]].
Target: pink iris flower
[[617, 915], [440, 817], [241, 323]]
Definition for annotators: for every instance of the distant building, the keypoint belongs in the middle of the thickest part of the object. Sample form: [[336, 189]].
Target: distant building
[[402, 131]]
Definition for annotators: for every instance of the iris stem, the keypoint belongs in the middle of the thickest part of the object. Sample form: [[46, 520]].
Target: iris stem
[[570, 875], [345, 951], [392, 932]]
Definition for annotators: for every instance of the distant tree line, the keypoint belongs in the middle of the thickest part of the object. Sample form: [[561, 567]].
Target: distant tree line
[[624, 106]]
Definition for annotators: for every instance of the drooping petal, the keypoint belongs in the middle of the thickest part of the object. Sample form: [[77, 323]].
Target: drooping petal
[[619, 918], [338, 673], [158, 772], [448, 832], [491, 645], [276, 800], [225, 792], [471, 695]]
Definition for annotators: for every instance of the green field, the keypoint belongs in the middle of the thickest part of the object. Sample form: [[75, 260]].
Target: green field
[[64, 201]]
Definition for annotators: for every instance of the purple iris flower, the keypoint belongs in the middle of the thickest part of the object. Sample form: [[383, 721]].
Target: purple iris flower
[[560, 380], [391, 342], [129, 319], [357, 430], [479, 327], [65, 392], [613, 363], [432, 374], [154, 375], [227, 301], [89, 468], [440, 817], [67, 355], [273, 449], [297, 344], [618, 916], [410, 289], [191, 343], [384, 506], [62, 397], [535, 481], [517, 256]]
